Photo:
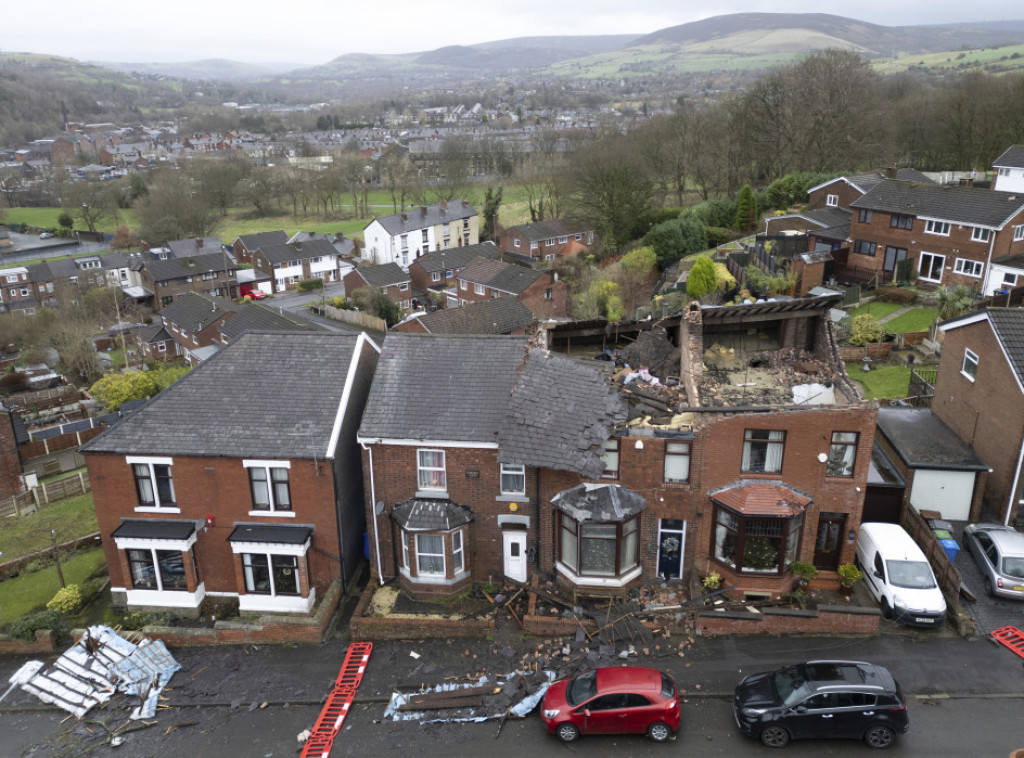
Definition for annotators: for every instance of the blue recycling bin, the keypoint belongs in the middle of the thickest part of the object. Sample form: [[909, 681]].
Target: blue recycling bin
[[950, 547], [943, 531]]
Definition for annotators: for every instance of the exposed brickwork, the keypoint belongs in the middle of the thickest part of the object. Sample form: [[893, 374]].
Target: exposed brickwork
[[43, 644], [830, 620]]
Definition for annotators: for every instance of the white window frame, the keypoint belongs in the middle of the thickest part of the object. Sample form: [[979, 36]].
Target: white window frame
[[980, 234], [405, 548], [940, 228], [1018, 233], [1010, 278], [967, 267], [932, 256], [674, 452], [515, 242], [611, 453], [422, 469], [775, 451], [158, 506], [420, 573], [267, 466], [458, 552], [831, 200], [462, 284], [403, 287], [969, 368], [435, 276], [479, 289], [511, 470]]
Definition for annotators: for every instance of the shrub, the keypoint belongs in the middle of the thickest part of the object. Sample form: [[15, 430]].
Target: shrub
[[25, 627], [135, 621], [900, 295], [719, 235], [865, 329], [68, 600], [310, 285]]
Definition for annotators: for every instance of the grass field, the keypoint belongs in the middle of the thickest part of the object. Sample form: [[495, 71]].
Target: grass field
[[917, 320], [882, 381], [73, 517], [30, 592], [877, 309]]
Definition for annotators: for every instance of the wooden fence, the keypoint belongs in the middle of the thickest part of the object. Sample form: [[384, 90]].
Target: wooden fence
[[947, 575], [46, 493], [356, 318]]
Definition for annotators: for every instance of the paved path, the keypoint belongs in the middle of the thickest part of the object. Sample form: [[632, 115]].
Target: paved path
[[897, 314]]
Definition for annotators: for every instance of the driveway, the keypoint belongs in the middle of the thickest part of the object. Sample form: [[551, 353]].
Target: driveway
[[989, 612]]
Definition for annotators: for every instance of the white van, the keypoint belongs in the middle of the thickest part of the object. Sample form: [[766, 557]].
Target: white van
[[898, 575]]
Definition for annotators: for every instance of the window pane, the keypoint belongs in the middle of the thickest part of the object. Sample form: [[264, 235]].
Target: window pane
[[144, 484], [282, 497], [569, 546], [457, 560], [260, 489], [513, 479], [172, 570], [677, 462], [431, 469], [140, 563], [164, 485], [257, 573], [628, 556], [286, 575], [597, 549], [430, 555]]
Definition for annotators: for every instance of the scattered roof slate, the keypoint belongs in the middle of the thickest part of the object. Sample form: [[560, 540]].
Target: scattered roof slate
[[923, 441], [498, 275], [1012, 157], [960, 205], [501, 315], [430, 215], [599, 503], [456, 258], [292, 394], [429, 515]]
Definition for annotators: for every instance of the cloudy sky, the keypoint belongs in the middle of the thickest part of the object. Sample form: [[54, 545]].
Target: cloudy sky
[[315, 31]]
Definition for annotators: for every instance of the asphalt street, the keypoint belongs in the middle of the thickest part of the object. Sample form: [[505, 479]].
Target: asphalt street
[[967, 698]]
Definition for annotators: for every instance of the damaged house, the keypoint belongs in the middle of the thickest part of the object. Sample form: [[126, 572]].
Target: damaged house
[[732, 442]]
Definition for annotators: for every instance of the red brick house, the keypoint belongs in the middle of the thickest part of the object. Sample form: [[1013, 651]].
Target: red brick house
[[438, 271], [211, 274], [257, 497], [246, 245], [979, 393], [524, 461], [547, 240], [953, 234], [540, 291], [387, 277]]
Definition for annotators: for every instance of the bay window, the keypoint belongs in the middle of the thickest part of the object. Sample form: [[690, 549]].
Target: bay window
[[269, 574], [599, 550], [755, 544], [161, 570]]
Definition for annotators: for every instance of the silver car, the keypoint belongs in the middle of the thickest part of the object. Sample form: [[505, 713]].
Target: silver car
[[999, 553]]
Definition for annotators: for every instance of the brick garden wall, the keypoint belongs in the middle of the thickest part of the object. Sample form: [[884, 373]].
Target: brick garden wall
[[827, 619]]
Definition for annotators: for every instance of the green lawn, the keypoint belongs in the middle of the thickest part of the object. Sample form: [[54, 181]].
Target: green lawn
[[73, 517], [30, 592], [876, 309], [917, 320], [884, 382]]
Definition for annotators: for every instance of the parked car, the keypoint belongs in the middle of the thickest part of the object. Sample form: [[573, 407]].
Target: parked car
[[258, 295], [47, 235], [999, 552], [819, 699], [898, 575], [615, 700]]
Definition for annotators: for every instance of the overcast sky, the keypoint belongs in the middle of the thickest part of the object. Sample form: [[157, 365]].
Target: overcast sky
[[315, 31]]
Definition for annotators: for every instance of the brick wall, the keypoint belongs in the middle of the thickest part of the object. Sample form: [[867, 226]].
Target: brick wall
[[380, 628], [827, 619], [43, 644]]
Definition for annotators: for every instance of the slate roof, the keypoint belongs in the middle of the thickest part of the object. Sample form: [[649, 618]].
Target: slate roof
[[428, 515], [271, 534], [383, 275], [431, 215], [959, 205], [293, 386], [1012, 157], [298, 251], [541, 409], [253, 241], [152, 333], [505, 277], [191, 246], [501, 315], [599, 503], [1008, 326], [923, 441], [193, 312], [177, 268], [867, 181], [542, 230], [256, 317], [457, 258]]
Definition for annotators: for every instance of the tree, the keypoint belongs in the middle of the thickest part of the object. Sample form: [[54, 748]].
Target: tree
[[702, 279], [115, 389], [635, 275], [492, 202], [123, 239], [376, 302], [954, 301], [601, 299], [175, 208], [746, 210]]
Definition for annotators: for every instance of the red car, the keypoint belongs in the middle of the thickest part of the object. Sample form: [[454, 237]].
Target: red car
[[257, 295], [618, 700]]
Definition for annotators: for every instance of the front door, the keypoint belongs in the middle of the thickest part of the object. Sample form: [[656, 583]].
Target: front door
[[828, 546], [671, 538], [514, 548]]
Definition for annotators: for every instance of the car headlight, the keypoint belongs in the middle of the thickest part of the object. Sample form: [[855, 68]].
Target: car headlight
[[899, 602], [550, 714], [753, 713]]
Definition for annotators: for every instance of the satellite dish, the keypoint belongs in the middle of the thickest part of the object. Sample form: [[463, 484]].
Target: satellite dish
[[378, 508]]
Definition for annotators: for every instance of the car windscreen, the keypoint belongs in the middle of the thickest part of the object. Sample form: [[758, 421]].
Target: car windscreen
[[582, 687], [912, 575], [1013, 566], [790, 685]]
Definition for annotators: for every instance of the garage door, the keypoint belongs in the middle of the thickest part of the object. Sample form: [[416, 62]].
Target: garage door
[[948, 492]]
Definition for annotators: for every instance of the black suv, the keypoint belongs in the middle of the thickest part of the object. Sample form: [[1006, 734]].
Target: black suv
[[822, 699]]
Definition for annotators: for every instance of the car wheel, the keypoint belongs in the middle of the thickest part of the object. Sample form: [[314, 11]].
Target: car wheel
[[989, 588], [659, 732], [567, 733], [879, 737], [886, 610], [774, 736]]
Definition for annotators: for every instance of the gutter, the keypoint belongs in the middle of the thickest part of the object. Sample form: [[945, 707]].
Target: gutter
[[373, 512]]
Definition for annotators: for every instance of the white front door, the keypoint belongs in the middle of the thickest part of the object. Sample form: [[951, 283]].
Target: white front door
[[514, 543]]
